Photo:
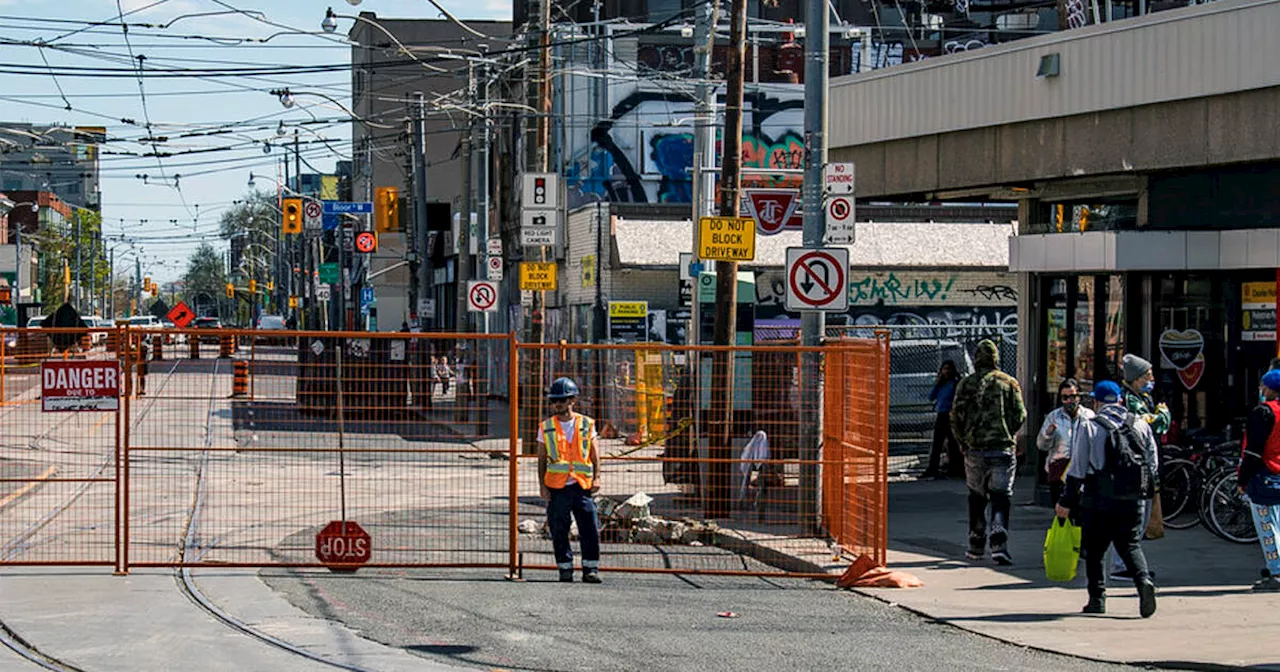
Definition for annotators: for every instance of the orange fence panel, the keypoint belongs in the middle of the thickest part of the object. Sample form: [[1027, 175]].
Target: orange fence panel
[[242, 447], [59, 456]]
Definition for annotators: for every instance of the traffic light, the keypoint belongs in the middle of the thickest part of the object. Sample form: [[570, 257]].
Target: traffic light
[[386, 209], [271, 286], [291, 221], [154, 289], [231, 291], [253, 286], [146, 282]]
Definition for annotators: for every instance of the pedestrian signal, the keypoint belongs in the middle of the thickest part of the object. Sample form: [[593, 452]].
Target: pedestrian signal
[[291, 210]]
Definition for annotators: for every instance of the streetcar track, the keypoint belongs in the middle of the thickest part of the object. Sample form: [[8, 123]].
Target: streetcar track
[[184, 579]]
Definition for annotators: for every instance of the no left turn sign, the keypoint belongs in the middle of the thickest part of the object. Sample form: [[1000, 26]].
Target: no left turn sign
[[482, 296], [817, 279]]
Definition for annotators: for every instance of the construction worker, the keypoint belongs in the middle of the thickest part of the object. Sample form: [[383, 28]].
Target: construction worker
[[569, 473]]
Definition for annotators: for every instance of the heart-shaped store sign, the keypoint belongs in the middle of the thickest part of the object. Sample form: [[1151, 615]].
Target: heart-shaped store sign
[[1185, 351]]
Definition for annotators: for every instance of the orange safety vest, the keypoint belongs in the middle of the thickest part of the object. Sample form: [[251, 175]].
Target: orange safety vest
[[567, 458]]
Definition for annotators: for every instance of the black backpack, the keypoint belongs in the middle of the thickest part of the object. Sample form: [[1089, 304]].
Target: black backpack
[[1130, 471]]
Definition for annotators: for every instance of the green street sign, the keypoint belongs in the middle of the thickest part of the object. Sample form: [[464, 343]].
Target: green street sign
[[329, 273]]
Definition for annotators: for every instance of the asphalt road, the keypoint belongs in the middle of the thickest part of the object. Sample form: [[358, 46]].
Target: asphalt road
[[645, 622]]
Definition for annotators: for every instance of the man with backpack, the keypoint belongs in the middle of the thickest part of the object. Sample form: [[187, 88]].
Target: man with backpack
[[1112, 473]]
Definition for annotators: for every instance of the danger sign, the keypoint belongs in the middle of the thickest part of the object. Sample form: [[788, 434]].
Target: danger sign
[[817, 279], [79, 385], [727, 238]]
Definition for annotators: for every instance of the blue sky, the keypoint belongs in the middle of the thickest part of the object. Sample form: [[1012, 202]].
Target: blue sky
[[216, 126]]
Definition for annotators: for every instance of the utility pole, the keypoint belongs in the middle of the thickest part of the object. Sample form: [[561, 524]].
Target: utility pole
[[77, 235], [137, 284], [531, 403], [468, 204], [423, 278], [720, 449], [812, 323], [704, 141]]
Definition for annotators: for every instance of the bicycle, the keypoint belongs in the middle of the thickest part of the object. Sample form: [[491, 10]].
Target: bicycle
[[1185, 473]]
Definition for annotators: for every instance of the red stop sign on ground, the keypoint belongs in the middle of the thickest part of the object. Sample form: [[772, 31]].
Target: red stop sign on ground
[[343, 545]]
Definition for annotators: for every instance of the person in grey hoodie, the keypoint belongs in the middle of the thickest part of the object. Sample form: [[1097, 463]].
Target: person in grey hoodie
[[1109, 517]]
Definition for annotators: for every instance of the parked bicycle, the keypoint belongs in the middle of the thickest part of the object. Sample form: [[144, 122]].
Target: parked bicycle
[[1198, 486]]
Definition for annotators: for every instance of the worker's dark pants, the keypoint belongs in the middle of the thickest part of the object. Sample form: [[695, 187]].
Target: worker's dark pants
[[573, 500], [1116, 524]]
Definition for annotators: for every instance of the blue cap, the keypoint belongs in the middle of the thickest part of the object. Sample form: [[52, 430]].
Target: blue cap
[[1271, 380], [1107, 392]]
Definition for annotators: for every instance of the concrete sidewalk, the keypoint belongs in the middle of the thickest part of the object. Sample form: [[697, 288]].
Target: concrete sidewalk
[[1207, 615]]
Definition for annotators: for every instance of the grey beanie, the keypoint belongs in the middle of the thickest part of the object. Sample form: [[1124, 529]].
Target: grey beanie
[[1134, 366]]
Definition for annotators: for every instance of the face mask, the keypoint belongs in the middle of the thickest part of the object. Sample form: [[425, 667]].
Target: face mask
[[1262, 397], [1151, 385], [1071, 407]]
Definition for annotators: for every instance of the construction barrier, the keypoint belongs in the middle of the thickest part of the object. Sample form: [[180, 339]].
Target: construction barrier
[[710, 460]]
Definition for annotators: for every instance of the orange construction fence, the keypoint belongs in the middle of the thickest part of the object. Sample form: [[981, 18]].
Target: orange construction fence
[[712, 460]]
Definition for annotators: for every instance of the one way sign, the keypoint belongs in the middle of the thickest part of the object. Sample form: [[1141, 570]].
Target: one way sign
[[817, 279]]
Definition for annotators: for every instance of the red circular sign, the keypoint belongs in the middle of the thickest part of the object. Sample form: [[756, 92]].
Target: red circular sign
[[815, 271], [312, 209], [482, 296], [366, 241], [343, 545], [839, 209]]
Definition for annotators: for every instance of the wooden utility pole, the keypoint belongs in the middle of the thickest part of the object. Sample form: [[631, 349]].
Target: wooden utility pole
[[720, 452]]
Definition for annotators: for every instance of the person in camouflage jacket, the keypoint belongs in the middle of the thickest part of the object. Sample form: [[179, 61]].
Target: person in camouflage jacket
[[987, 415]]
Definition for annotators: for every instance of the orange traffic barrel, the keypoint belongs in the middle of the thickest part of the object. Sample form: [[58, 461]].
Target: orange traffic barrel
[[193, 341], [226, 347], [158, 344], [240, 379]]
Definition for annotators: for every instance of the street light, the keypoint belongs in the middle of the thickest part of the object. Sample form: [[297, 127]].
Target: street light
[[330, 22]]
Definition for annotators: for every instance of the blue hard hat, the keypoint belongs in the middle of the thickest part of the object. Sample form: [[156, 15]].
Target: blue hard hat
[[562, 388], [1107, 392], [1271, 380]]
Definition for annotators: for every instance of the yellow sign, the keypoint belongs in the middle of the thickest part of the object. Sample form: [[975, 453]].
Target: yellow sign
[[1258, 292], [628, 309], [537, 276], [727, 238], [589, 271]]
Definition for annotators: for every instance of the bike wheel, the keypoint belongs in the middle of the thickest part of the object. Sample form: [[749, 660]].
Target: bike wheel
[[1177, 494], [1229, 512]]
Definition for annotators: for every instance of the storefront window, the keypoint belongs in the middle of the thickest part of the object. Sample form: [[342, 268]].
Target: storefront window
[[1191, 346], [1083, 329], [1056, 334], [1114, 340]]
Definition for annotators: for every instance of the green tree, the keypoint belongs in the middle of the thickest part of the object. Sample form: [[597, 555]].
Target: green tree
[[59, 242], [205, 279]]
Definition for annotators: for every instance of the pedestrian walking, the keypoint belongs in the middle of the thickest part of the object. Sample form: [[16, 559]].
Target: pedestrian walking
[[569, 474], [987, 414], [1139, 382], [943, 396], [1259, 476], [444, 373], [1112, 471], [1058, 434]]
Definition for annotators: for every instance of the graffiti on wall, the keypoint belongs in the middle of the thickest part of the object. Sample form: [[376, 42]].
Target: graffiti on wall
[[633, 158], [908, 288], [935, 323]]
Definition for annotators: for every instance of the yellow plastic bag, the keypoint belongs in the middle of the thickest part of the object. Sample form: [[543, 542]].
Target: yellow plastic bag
[[1061, 550]]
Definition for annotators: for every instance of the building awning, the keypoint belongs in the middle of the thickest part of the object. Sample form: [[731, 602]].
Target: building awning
[[1105, 251], [648, 243]]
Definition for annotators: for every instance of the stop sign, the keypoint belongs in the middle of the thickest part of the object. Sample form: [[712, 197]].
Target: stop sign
[[343, 545]]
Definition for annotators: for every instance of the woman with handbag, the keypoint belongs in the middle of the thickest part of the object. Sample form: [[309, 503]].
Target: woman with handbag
[[1058, 434], [1259, 475]]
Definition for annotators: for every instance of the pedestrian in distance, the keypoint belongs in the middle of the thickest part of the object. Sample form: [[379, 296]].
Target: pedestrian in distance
[[1139, 382], [1259, 476], [986, 417], [1112, 471], [943, 395], [444, 373], [569, 474], [1058, 433]]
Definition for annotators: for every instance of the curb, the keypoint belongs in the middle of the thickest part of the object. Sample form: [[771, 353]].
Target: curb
[[730, 541]]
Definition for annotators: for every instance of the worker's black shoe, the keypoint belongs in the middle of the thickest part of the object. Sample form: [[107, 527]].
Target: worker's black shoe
[[566, 576], [591, 576], [1096, 605], [1146, 598]]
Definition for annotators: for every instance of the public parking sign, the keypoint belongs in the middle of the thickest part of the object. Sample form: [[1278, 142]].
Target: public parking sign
[[818, 279], [80, 385]]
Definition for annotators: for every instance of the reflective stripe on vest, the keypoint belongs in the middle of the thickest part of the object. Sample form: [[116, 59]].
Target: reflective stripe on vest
[[566, 458]]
